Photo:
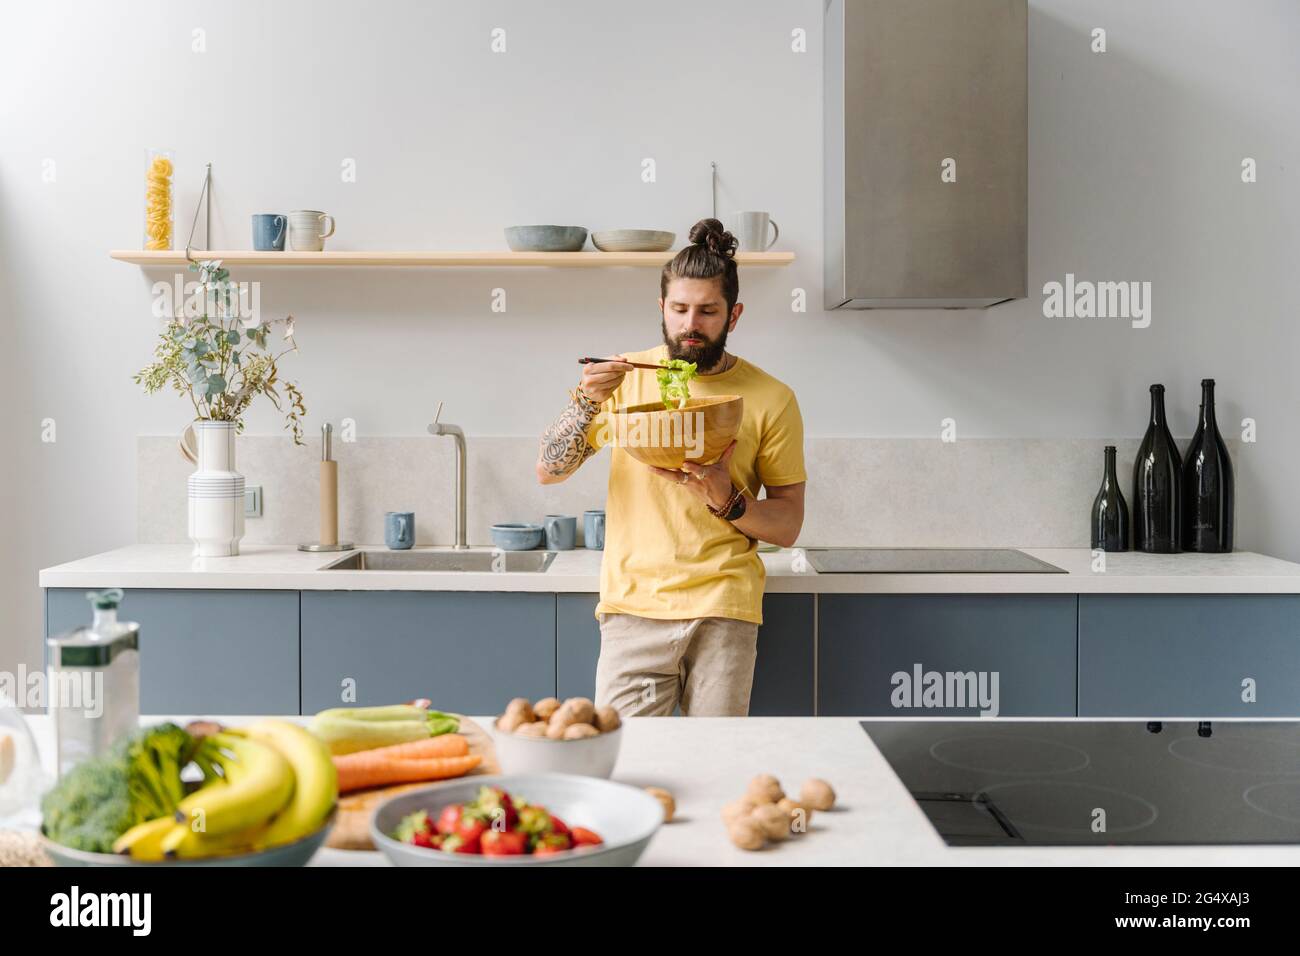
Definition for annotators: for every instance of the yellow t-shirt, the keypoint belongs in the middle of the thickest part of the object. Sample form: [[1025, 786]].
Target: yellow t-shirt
[[666, 556]]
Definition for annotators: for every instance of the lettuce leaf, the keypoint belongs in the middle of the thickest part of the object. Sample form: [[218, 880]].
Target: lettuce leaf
[[674, 382]]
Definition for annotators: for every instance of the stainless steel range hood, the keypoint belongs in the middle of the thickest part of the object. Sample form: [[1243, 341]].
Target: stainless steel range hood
[[914, 88]]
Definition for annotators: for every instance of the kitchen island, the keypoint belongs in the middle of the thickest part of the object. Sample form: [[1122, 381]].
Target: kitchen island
[[706, 763], [276, 630]]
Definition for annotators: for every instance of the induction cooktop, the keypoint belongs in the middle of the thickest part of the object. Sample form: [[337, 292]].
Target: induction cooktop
[[926, 561], [1080, 783]]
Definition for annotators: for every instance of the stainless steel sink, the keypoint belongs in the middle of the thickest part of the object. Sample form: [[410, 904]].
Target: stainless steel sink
[[481, 561]]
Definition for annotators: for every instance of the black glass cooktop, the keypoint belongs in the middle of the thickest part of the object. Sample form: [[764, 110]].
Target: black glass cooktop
[[926, 561], [1077, 783]]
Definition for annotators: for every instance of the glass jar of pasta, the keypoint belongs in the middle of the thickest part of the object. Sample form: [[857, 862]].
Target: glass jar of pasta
[[159, 217]]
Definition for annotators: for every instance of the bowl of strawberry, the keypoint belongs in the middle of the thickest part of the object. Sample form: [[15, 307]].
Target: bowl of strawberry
[[529, 820]]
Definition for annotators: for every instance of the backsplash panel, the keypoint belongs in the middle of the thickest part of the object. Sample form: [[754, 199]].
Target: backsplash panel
[[975, 492]]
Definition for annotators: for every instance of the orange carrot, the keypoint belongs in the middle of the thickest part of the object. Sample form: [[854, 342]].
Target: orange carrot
[[358, 771], [445, 745]]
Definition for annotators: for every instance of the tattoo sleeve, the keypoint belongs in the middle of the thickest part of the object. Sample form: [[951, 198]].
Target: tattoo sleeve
[[564, 443]]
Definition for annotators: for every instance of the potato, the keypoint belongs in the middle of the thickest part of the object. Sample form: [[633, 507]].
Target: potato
[[536, 729], [774, 821], [817, 794], [521, 706], [583, 710], [747, 833], [607, 719], [800, 816], [545, 707], [765, 788], [665, 798], [737, 809], [562, 717], [579, 731], [511, 721], [555, 728]]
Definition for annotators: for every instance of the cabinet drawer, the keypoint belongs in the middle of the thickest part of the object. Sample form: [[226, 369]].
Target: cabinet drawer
[[1189, 655], [469, 652], [204, 652], [1019, 650]]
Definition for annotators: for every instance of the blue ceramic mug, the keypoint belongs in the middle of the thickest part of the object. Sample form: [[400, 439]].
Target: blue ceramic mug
[[268, 231], [399, 529], [561, 532], [593, 529]]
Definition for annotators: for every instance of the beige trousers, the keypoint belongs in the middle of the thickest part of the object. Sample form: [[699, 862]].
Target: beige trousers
[[648, 667]]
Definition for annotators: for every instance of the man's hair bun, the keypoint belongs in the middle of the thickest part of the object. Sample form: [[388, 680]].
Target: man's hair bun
[[711, 234]]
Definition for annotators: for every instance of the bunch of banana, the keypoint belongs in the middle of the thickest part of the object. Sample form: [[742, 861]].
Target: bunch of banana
[[276, 784]]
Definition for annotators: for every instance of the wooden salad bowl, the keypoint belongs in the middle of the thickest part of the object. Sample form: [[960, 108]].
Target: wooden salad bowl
[[664, 438]]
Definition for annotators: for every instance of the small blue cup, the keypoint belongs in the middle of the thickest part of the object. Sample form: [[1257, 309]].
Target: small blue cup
[[268, 231], [399, 529], [561, 532], [593, 529]]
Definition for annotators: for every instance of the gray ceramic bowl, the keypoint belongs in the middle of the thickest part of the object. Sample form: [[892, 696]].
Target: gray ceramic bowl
[[546, 238], [625, 817], [516, 536], [291, 854]]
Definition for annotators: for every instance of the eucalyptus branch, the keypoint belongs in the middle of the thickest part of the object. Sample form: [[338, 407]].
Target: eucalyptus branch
[[219, 364]]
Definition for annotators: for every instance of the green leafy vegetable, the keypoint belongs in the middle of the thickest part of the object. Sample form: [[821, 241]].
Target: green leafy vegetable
[[674, 382], [98, 800]]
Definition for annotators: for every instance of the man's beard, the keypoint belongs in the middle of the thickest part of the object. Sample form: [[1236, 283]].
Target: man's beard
[[706, 355]]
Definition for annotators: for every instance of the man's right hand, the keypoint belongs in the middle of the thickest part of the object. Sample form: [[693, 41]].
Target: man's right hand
[[600, 379]]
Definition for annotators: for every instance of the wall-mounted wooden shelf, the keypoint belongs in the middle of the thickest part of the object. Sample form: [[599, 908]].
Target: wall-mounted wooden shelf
[[245, 257]]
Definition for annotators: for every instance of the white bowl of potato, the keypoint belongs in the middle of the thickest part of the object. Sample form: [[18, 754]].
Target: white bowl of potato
[[554, 736]]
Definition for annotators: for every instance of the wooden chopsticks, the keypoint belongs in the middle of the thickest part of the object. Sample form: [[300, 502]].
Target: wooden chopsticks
[[588, 360]]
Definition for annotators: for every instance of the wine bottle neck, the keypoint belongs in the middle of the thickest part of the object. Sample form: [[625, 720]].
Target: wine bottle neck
[[1207, 407], [1158, 409]]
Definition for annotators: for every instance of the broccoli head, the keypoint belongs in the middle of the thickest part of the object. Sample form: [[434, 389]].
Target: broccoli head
[[90, 806]]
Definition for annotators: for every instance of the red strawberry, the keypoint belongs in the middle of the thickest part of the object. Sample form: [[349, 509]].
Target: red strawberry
[[503, 843]]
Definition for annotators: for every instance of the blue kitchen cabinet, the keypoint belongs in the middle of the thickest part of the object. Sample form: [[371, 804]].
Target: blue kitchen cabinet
[[468, 652], [577, 645], [202, 651], [783, 674], [1189, 655], [932, 655]]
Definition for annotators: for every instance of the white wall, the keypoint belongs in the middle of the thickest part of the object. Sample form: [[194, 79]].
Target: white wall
[[1134, 161]]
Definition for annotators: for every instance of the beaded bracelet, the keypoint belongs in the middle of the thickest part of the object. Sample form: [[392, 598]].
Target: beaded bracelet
[[729, 505]]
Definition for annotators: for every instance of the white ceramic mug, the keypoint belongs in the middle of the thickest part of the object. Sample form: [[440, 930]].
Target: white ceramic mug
[[306, 230], [750, 229]]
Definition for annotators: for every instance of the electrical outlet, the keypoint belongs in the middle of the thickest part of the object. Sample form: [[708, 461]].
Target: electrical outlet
[[253, 502]]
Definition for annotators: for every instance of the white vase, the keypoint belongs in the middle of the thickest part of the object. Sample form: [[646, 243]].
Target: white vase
[[216, 492]]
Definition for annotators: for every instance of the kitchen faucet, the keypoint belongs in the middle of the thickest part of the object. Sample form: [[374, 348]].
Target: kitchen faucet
[[455, 432]]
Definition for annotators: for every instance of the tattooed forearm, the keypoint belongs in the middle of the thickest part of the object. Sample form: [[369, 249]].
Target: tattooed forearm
[[564, 444]]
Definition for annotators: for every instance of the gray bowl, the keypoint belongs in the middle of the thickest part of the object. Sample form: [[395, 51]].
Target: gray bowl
[[546, 238], [516, 536], [290, 854], [625, 817]]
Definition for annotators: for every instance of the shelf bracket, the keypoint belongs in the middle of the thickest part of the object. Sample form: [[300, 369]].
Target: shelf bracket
[[204, 203]]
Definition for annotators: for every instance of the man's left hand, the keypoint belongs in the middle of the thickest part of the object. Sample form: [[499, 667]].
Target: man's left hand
[[710, 483]]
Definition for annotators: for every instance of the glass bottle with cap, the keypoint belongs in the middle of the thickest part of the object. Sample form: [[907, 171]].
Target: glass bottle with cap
[[94, 682]]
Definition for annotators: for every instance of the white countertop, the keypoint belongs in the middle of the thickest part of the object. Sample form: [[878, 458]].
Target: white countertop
[[285, 567], [706, 762]]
